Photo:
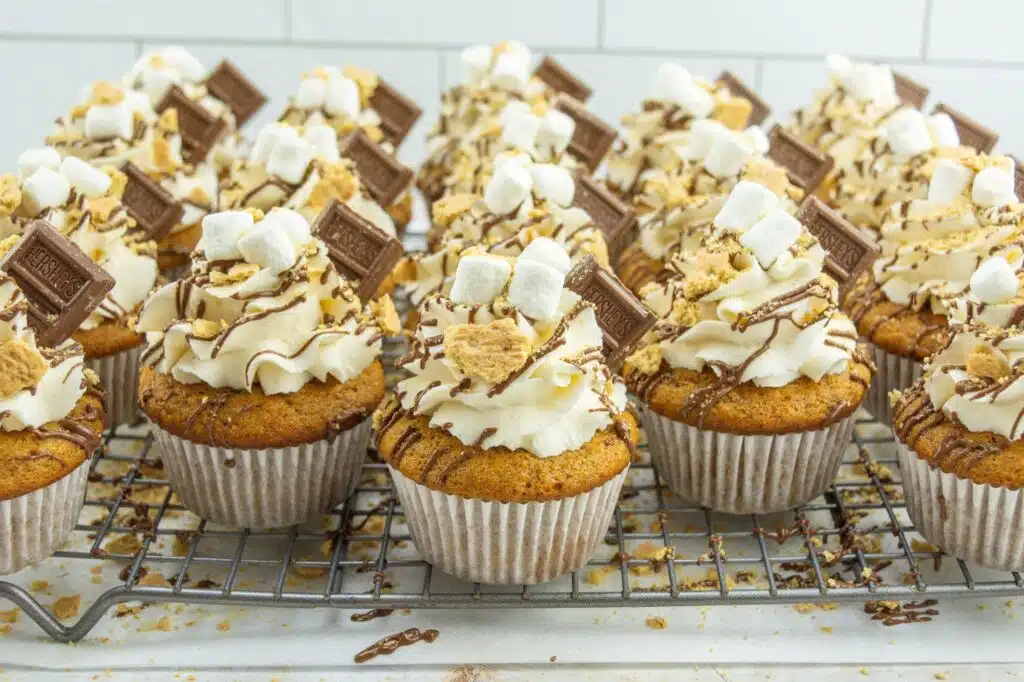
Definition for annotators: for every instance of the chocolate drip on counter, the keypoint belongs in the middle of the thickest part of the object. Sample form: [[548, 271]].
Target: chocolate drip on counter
[[393, 643], [367, 616]]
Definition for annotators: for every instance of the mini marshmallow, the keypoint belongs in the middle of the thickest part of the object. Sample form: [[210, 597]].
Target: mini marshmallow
[[191, 69], [549, 252], [726, 157], [476, 60], [324, 140], [342, 96], [536, 289], [508, 188], [510, 72], [92, 182], [870, 82], [556, 130], [908, 133], [290, 160], [993, 186], [995, 281], [292, 224], [221, 233], [311, 93], [32, 159], [697, 101], [106, 121], [758, 140], [519, 126], [771, 236], [45, 189], [838, 65], [746, 203], [703, 134], [269, 247], [670, 80], [553, 183], [479, 279], [943, 130], [949, 180], [269, 137]]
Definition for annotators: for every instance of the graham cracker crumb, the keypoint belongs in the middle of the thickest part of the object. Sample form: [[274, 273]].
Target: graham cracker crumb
[[154, 579], [10, 194], [123, 544], [647, 360], [336, 181], [733, 112], [21, 366], [366, 80], [162, 625], [239, 272], [448, 209], [38, 585], [224, 625], [983, 362], [205, 329], [101, 208], [10, 616], [8, 244], [490, 351], [105, 93], [118, 181], [656, 623], [384, 311], [67, 607]]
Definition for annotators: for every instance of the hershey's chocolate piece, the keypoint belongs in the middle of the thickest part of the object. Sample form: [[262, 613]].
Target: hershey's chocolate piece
[[398, 114], [616, 220], [623, 319], [199, 128], [849, 252], [560, 79], [359, 249], [760, 109], [909, 91], [972, 133], [62, 285], [228, 84], [1018, 178], [382, 173], [149, 204], [592, 137], [805, 165]]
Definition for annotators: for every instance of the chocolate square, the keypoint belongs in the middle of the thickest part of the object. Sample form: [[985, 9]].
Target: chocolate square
[[149, 204], [360, 250], [398, 114], [623, 318], [1018, 178], [849, 252], [62, 285], [592, 137], [381, 172], [199, 129], [616, 220], [561, 80], [230, 86], [805, 165], [909, 91], [760, 109], [972, 133]]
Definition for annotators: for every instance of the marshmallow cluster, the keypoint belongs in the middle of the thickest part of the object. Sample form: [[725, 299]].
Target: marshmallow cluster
[[47, 180], [505, 66], [158, 71], [517, 180], [766, 229], [674, 84], [328, 89], [864, 81], [990, 187], [995, 281], [286, 151], [723, 151], [274, 244], [910, 132], [544, 136]]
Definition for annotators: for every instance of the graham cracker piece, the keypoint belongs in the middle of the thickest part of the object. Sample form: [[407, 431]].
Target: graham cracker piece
[[490, 351]]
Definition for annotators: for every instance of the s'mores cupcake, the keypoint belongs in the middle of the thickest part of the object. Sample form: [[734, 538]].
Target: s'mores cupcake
[[750, 379]]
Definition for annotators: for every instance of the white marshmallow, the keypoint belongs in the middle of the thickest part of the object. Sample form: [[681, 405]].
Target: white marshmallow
[[479, 279], [221, 233], [549, 252], [726, 157], [268, 246], [838, 65], [943, 130], [949, 180], [553, 183], [993, 186], [91, 182], [324, 140], [746, 203], [269, 137], [292, 224], [289, 161], [519, 126], [556, 130], [45, 189], [771, 236], [995, 281], [105, 121], [476, 61], [758, 140], [311, 93], [518, 50], [183, 61], [342, 96], [536, 289], [870, 82], [908, 133], [32, 159], [697, 101], [508, 188], [703, 134], [510, 72], [157, 82], [669, 81]]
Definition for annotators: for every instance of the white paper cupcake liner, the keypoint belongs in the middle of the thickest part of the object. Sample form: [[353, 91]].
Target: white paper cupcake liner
[[269, 488], [895, 373], [119, 376], [506, 543], [975, 522], [34, 526], [738, 474]]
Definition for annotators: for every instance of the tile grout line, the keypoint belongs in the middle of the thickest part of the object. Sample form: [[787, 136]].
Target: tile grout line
[[442, 69], [288, 28], [758, 74], [600, 25], [926, 28]]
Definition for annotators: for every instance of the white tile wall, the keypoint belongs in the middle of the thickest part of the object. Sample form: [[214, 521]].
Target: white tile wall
[[55, 47]]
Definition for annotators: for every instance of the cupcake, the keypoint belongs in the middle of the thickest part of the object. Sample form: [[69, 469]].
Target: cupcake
[[83, 203], [750, 379], [261, 372], [930, 249], [509, 443]]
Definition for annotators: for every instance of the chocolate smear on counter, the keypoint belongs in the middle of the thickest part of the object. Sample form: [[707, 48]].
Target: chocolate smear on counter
[[848, 252], [591, 138], [367, 616], [199, 129], [392, 643], [616, 220], [398, 114], [972, 133], [359, 249], [149, 204], [383, 175], [805, 165], [62, 284], [561, 80], [759, 108], [909, 91], [623, 319], [228, 84]]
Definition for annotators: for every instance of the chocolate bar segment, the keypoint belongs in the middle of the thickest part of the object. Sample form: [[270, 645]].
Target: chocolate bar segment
[[199, 129], [848, 252], [381, 172], [623, 319], [591, 138], [149, 204], [759, 108], [616, 220], [398, 114], [805, 165], [228, 84], [62, 285], [561, 80], [360, 250], [972, 133], [1018, 178], [909, 91]]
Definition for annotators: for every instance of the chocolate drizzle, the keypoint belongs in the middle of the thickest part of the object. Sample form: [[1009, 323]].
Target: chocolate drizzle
[[392, 643]]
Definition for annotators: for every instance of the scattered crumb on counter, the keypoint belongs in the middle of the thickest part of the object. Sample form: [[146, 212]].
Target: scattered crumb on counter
[[864, 672], [940, 676], [826, 629], [67, 607], [554, 659], [163, 625], [224, 625], [10, 616], [154, 579], [656, 622], [38, 585]]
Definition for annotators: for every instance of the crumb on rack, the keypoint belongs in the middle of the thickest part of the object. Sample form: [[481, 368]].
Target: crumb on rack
[[67, 607]]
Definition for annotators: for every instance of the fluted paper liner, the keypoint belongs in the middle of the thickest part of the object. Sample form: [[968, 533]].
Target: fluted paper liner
[[506, 543], [895, 373], [976, 522], [268, 488], [738, 474], [119, 377], [34, 526]]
